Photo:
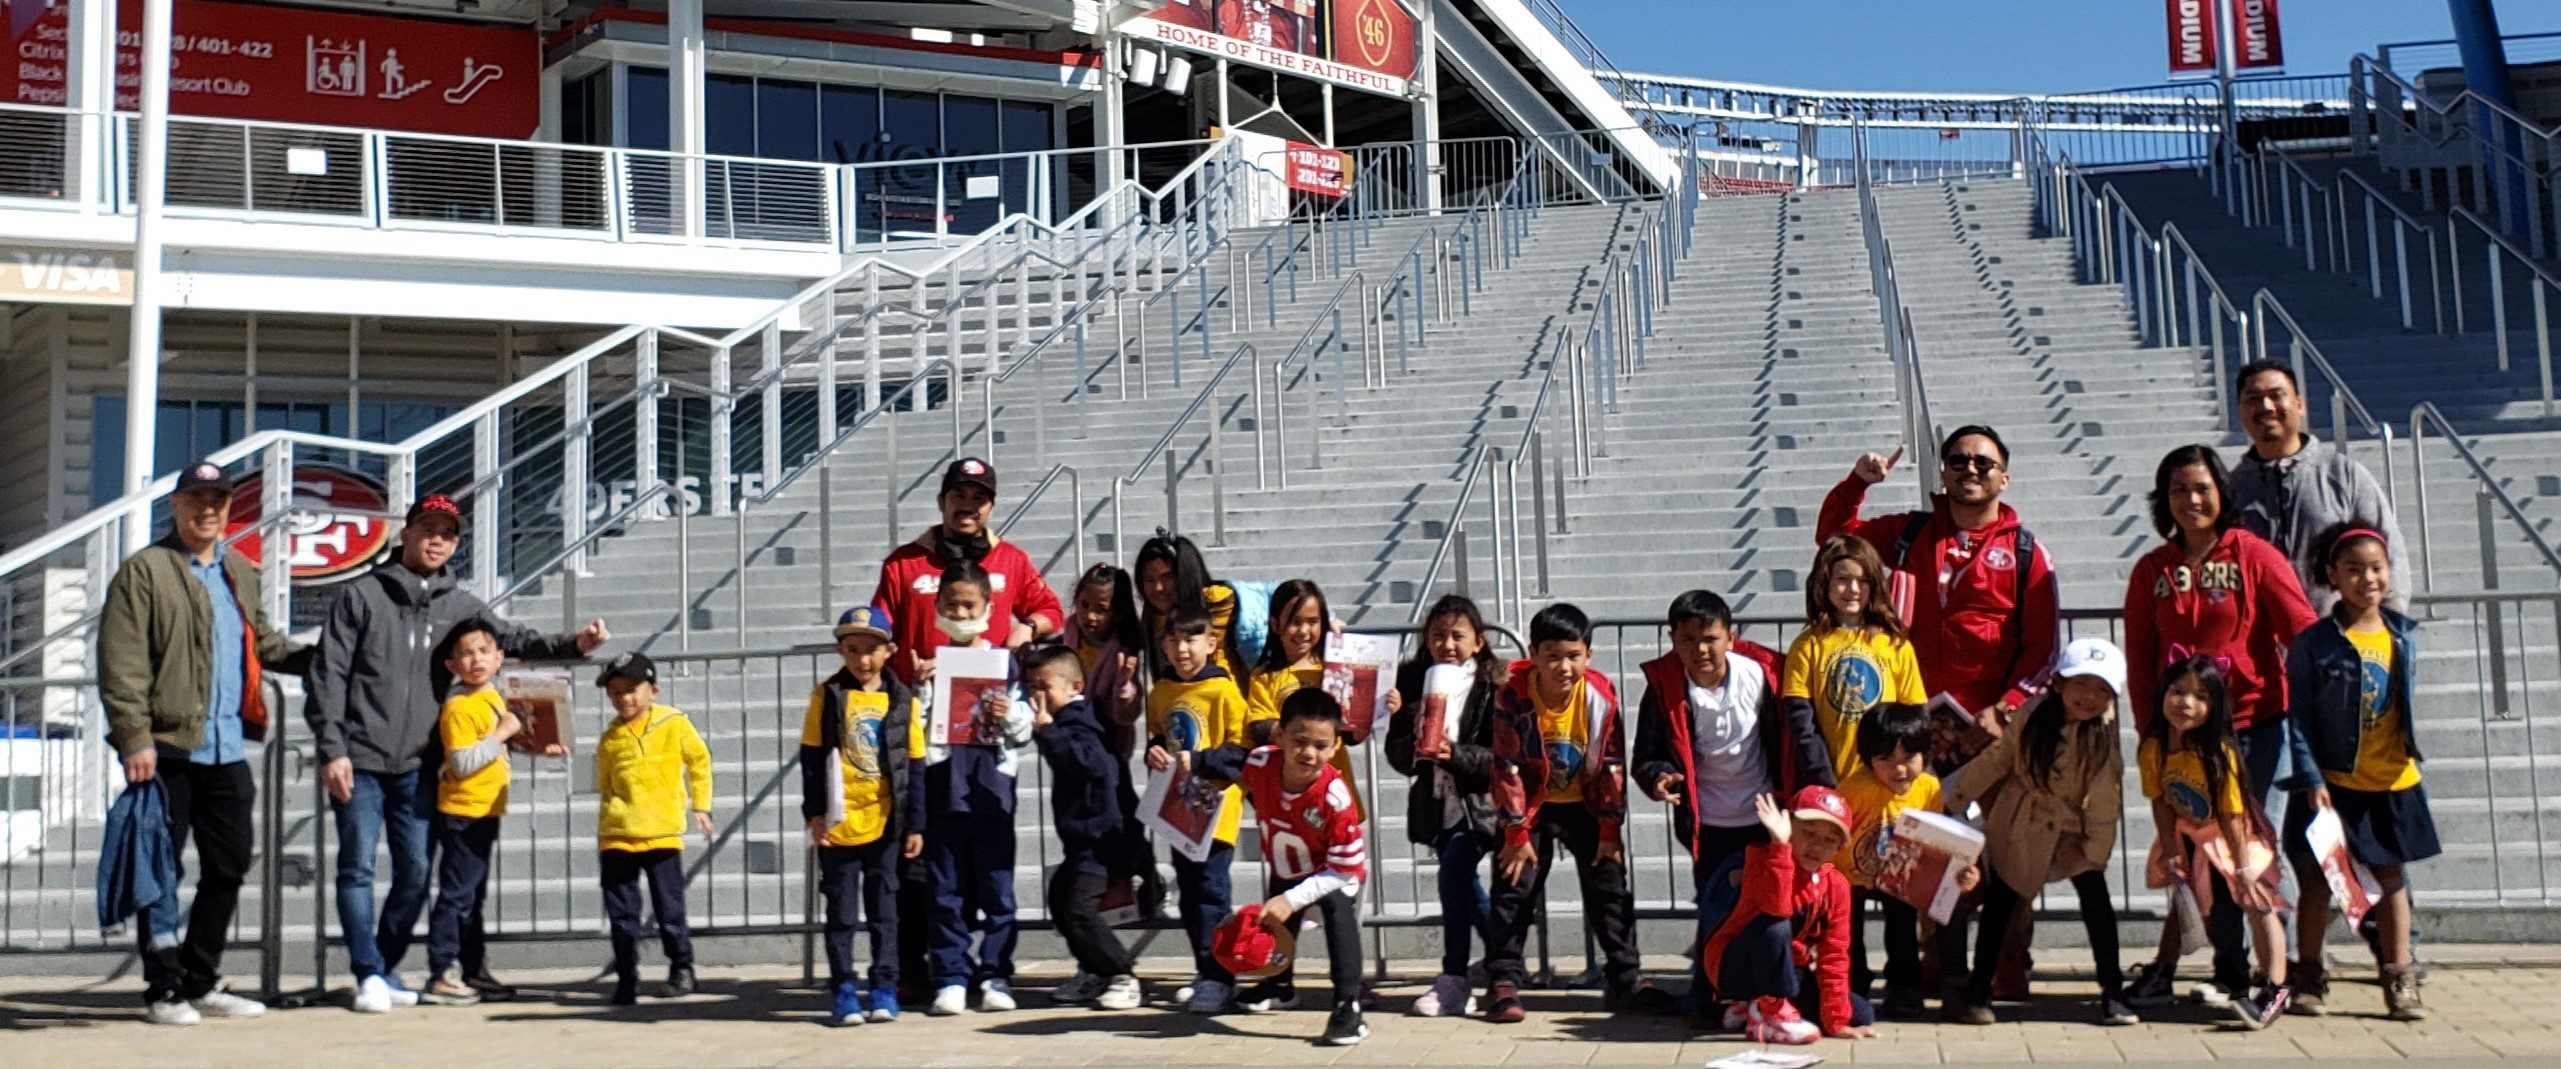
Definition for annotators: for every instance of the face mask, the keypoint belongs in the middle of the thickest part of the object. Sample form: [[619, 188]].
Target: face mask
[[962, 632]]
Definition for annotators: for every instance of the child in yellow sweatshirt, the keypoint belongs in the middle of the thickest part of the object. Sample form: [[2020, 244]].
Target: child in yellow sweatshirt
[[473, 729], [649, 763]]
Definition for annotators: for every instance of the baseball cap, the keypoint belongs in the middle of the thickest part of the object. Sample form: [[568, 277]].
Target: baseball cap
[[204, 475], [1249, 950], [864, 620], [636, 667], [969, 470], [1818, 802], [436, 505], [2092, 657]]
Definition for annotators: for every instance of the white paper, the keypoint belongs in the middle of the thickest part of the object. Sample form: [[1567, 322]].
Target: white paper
[[2328, 839], [1765, 1058], [1359, 671], [1192, 826], [973, 673]]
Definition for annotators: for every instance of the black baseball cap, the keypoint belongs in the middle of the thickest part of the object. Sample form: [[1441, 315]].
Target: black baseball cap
[[204, 475], [969, 470], [636, 667]]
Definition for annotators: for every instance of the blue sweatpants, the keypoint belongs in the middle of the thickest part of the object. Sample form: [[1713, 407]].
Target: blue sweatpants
[[969, 864]]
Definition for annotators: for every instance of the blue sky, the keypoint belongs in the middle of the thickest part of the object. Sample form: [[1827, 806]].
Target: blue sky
[[2025, 46]]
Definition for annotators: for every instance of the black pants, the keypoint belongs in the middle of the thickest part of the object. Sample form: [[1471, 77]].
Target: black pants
[[619, 872], [217, 803], [1609, 908], [1902, 944], [1076, 889], [463, 846], [2001, 902], [1341, 914], [915, 900], [1708, 850], [1204, 889], [1760, 962], [860, 886], [2226, 929]]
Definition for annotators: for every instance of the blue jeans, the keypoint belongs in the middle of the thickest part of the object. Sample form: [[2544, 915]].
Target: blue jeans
[[969, 864], [400, 809], [1464, 907], [1205, 887]]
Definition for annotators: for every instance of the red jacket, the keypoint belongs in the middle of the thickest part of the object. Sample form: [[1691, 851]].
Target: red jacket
[[1817, 907], [912, 575], [2243, 607], [1521, 765], [1792, 750], [1975, 637]]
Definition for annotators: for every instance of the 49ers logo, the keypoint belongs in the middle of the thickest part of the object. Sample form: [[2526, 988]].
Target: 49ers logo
[[336, 525]]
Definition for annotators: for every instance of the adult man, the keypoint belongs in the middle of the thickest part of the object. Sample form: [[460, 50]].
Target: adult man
[[375, 688], [181, 642], [2292, 486]]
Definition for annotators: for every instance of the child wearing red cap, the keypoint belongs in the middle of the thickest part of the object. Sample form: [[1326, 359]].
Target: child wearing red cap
[[1781, 914]]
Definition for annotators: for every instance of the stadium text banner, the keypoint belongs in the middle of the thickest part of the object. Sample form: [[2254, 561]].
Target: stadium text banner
[[1285, 37], [244, 61], [2256, 44], [2192, 40], [1319, 170]]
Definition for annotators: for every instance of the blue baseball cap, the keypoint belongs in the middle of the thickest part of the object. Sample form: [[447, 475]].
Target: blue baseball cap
[[864, 620]]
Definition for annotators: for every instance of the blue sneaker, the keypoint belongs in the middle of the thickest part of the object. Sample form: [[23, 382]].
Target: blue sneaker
[[847, 1008], [884, 1004]]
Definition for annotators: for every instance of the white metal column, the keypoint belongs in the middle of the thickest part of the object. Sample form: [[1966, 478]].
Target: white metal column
[[90, 78], [685, 129], [1427, 106], [142, 339]]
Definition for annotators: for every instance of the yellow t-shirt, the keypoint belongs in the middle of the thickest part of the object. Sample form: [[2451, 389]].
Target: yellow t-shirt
[[863, 760], [1196, 715], [1087, 656], [462, 723], [1844, 673], [2383, 761], [1873, 810], [1264, 694], [1567, 730], [2181, 780]]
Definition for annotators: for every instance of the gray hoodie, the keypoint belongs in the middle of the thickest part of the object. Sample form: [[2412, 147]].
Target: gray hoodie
[[2291, 501], [376, 684]]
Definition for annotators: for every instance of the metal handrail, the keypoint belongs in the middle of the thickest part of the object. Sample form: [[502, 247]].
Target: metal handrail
[[2402, 221], [1075, 507], [1217, 468], [1453, 532], [2487, 191], [2172, 239], [2423, 414], [2294, 176], [1902, 343], [2302, 349], [2540, 279]]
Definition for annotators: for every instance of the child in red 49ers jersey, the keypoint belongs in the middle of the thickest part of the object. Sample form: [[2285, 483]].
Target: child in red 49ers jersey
[[1314, 857]]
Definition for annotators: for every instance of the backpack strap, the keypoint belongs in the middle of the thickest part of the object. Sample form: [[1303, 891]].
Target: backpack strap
[[2027, 556], [1903, 544]]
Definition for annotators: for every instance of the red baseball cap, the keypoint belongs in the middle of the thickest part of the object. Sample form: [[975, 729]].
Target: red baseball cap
[[1249, 950], [1818, 802], [437, 505]]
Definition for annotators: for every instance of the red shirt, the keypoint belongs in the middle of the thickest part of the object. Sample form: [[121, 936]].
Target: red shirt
[[912, 575], [1315, 830], [1817, 905], [2242, 606], [1975, 639]]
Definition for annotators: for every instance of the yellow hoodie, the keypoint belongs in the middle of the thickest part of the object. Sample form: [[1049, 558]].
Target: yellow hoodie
[[1196, 715], [645, 769]]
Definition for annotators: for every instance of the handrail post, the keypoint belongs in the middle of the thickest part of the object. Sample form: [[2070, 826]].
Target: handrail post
[[1173, 524], [1217, 480], [1538, 502]]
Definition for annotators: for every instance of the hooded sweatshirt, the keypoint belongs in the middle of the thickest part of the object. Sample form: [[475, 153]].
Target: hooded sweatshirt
[[913, 575], [2240, 606], [376, 684], [1976, 638], [2291, 501], [1598, 760]]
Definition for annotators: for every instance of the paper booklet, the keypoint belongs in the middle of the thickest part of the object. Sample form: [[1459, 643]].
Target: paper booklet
[[1924, 853], [1359, 670], [540, 697], [965, 679], [1445, 690], [1185, 809], [1120, 902], [2328, 838], [1765, 1058]]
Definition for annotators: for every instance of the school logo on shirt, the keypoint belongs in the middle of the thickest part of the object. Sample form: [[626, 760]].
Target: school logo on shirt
[[1855, 683], [2187, 799], [1564, 765], [2376, 689], [1867, 854], [862, 745], [1182, 728]]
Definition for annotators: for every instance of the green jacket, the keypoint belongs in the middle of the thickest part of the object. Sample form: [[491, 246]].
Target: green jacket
[[155, 651]]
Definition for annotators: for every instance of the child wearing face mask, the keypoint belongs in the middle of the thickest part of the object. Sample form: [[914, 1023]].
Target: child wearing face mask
[[969, 824]]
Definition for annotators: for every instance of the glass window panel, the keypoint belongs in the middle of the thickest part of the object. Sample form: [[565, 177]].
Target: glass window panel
[[970, 129], [1028, 182], [786, 120], [849, 123], [902, 199], [645, 108], [729, 115]]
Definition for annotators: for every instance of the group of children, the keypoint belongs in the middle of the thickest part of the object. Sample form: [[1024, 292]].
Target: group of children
[[1786, 776]]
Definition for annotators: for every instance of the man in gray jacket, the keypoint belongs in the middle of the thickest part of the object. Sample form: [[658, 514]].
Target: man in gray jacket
[[375, 691], [2292, 486]]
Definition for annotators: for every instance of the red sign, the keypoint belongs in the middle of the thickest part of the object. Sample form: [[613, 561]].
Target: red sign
[[1288, 25], [1319, 170], [1374, 35], [2192, 40], [339, 524], [2255, 41], [247, 61]]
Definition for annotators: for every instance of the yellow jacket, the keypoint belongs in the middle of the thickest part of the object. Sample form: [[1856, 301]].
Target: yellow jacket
[[1199, 715], [646, 768]]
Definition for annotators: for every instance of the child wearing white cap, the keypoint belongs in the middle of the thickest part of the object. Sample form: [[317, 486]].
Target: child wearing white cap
[[2055, 784]]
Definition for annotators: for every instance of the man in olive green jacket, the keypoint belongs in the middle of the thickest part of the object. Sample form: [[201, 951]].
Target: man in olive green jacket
[[181, 643]]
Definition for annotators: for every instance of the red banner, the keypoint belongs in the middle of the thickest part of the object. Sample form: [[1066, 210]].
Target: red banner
[[2192, 40], [1319, 170], [2255, 40], [247, 61], [1375, 35], [1288, 25]]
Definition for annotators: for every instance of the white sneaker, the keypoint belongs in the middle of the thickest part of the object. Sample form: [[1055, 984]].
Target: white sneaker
[[172, 1014], [1448, 997], [221, 1003], [1079, 989], [372, 996], [1209, 996], [2209, 995], [1123, 994], [995, 996], [401, 995], [950, 1001]]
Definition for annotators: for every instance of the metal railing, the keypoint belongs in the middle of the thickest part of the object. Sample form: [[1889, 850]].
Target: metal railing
[[2540, 281], [2460, 149], [2486, 492], [1920, 432]]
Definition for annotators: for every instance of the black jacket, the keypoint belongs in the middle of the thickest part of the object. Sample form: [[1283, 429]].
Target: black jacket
[[375, 682], [1470, 762], [1091, 799], [898, 768]]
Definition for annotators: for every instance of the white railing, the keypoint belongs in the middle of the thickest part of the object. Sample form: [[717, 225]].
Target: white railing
[[2463, 150], [1920, 431], [2497, 253]]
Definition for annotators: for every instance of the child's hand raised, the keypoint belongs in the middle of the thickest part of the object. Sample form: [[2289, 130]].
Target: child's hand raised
[[1773, 818]]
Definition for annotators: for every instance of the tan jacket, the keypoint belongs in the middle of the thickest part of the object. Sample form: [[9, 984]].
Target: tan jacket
[[2035, 835]]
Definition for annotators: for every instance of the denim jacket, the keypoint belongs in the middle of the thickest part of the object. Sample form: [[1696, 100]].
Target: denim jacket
[[2325, 688]]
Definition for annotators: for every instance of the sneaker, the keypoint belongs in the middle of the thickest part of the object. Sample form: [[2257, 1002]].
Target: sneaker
[[1271, 996], [950, 1001], [995, 996], [845, 1008], [1775, 1020], [626, 992], [1902, 1005], [680, 981], [1960, 1011], [2114, 1012], [2401, 1000], [372, 996], [2263, 1006], [2210, 995], [400, 994], [219, 1003], [1737, 1015], [1209, 997], [1449, 997], [448, 989], [1639, 999], [2151, 984], [1503, 1005], [2311, 988], [884, 1005], [490, 988], [172, 1014], [1122, 993], [1346, 1026], [1079, 989]]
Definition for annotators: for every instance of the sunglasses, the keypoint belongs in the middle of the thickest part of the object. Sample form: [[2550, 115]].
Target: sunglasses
[[1963, 462]]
